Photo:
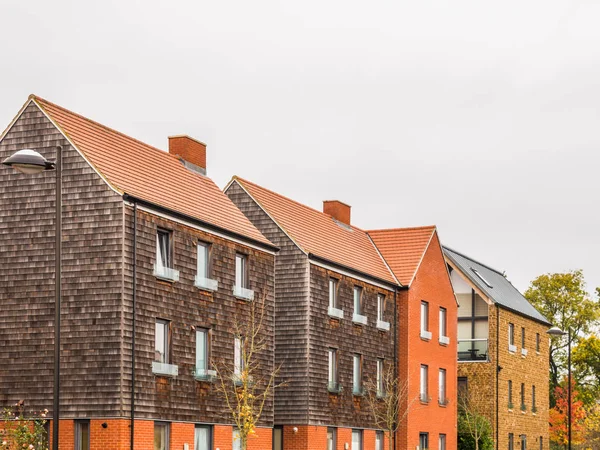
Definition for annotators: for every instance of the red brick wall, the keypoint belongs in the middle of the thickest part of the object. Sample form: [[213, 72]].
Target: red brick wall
[[431, 284], [312, 437]]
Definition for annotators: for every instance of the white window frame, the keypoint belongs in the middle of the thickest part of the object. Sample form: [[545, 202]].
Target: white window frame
[[238, 355], [332, 370], [425, 333], [511, 338], [442, 442], [164, 342], [357, 293], [443, 326], [79, 444], [357, 439], [424, 384], [380, 377], [357, 384], [379, 440], [442, 387], [164, 252], [167, 427], [331, 438], [209, 430], [241, 271]]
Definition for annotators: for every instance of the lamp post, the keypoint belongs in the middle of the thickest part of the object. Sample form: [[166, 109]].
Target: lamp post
[[31, 162], [555, 331]]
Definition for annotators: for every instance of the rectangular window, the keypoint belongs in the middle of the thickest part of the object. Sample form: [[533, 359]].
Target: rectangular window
[[463, 388], [82, 435], [331, 438], [379, 440], [424, 317], [423, 441], [203, 437], [510, 397], [537, 342], [241, 275], [203, 260], [357, 440], [357, 374], [236, 444], [523, 442], [533, 406], [202, 349], [238, 357], [380, 378], [333, 283], [358, 308], [424, 391], [442, 387], [523, 396], [161, 436], [541, 443], [161, 341], [443, 322], [333, 371], [442, 442], [522, 337], [380, 307], [277, 437], [511, 441], [511, 335], [164, 255]]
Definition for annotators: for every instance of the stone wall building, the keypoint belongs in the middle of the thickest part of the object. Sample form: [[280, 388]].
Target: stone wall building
[[502, 354]]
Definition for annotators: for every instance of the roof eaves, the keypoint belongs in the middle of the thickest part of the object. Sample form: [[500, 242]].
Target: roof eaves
[[472, 259], [525, 315], [239, 182], [17, 117], [208, 225]]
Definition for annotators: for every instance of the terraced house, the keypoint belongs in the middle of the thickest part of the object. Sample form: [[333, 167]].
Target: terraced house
[[344, 313], [157, 262], [502, 353]]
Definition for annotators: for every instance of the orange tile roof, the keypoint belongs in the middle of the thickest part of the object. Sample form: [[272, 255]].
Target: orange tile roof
[[317, 233], [147, 173], [403, 249]]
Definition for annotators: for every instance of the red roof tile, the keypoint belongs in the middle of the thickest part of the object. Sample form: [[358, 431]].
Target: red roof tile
[[317, 233], [145, 172], [403, 249]]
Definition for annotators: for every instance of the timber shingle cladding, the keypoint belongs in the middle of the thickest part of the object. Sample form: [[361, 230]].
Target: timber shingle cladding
[[304, 332], [97, 294], [91, 303]]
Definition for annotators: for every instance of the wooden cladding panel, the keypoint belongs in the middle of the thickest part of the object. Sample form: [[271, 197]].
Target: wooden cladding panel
[[348, 338], [91, 272], [185, 306], [291, 327]]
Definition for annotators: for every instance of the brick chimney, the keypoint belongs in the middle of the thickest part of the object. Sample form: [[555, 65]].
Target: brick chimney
[[338, 210], [191, 150]]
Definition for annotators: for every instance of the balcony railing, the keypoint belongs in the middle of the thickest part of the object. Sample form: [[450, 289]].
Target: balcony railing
[[473, 350]]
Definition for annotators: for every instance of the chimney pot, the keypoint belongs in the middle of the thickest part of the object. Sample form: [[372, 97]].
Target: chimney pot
[[189, 149], [338, 210]]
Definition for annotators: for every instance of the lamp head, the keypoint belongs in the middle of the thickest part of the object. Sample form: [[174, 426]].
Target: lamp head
[[555, 331], [28, 161]]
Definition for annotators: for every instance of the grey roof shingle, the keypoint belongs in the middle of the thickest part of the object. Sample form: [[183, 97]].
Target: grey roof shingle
[[494, 284]]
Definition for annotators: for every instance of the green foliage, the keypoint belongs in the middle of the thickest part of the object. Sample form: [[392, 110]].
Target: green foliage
[[21, 432], [586, 368], [466, 437], [564, 301]]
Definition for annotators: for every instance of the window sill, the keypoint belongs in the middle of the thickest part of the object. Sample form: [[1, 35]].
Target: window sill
[[443, 403], [383, 325], [243, 293], [207, 376], [335, 313], [358, 393], [359, 319], [425, 335], [206, 284], [524, 352], [512, 348], [424, 400], [164, 370], [381, 395], [166, 273], [444, 340], [335, 388]]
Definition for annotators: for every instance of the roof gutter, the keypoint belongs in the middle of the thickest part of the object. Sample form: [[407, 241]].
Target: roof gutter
[[209, 226], [391, 286]]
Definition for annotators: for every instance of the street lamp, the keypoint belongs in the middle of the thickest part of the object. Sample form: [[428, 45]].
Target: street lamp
[[555, 331], [31, 162]]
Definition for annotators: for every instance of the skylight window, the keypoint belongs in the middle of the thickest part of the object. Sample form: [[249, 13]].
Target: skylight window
[[482, 278]]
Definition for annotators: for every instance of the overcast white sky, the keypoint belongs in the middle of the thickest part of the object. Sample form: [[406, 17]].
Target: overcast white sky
[[481, 117]]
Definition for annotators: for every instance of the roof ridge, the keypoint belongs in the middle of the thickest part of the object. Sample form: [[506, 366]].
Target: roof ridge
[[424, 227], [243, 180], [107, 128], [445, 247]]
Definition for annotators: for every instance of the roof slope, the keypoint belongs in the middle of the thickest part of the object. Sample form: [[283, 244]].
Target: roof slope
[[145, 172], [403, 249], [494, 284], [317, 233]]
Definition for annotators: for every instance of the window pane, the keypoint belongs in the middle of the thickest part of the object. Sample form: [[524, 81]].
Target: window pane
[[237, 356], [160, 342], [240, 271], [357, 295], [356, 439], [442, 322], [162, 249], [356, 378], [424, 396], [481, 307], [442, 443], [379, 440], [424, 316], [331, 439], [380, 387], [277, 438], [465, 302], [237, 445], [332, 366], [332, 293], [161, 436], [442, 385], [380, 307], [202, 349], [203, 260], [82, 435], [202, 438]]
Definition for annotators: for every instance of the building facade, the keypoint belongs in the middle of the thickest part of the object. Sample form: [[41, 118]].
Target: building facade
[[502, 353], [157, 267]]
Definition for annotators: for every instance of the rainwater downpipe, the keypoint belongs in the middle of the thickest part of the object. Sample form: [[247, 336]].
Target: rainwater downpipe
[[395, 349], [133, 325], [498, 368]]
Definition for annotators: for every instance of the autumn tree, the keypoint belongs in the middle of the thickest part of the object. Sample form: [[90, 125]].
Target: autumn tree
[[586, 369], [248, 385], [389, 401], [562, 298], [591, 426], [559, 418], [474, 427]]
